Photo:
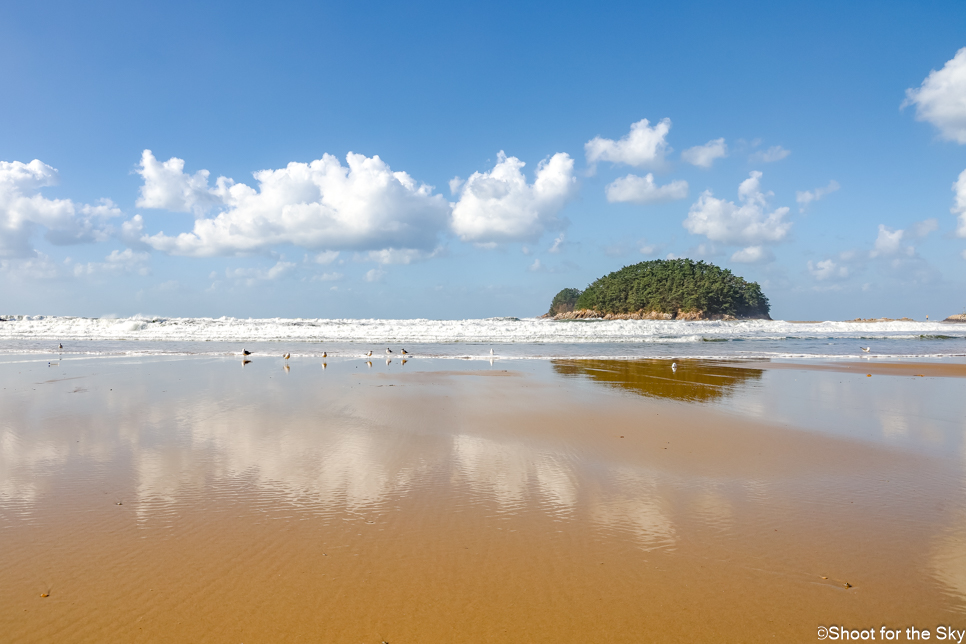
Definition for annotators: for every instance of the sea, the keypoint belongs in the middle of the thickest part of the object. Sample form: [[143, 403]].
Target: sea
[[484, 339]]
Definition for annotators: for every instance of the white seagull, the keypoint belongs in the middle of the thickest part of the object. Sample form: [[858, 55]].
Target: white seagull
[[674, 366], [866, 349]]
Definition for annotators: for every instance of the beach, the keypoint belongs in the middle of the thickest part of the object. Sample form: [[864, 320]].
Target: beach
[[196, 498]]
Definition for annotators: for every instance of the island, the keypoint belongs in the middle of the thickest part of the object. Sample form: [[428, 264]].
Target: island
[[664, 289]]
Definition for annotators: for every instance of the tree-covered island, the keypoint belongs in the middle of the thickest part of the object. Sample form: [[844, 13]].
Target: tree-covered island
[[664, 289]]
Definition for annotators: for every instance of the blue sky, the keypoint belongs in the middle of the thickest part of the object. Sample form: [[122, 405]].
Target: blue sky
[[809, 95]]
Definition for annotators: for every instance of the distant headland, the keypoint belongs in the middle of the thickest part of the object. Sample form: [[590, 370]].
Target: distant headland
[[664, 289]]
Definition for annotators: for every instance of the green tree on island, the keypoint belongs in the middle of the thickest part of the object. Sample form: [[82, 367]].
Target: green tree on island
[[565, 301], [668, 286]]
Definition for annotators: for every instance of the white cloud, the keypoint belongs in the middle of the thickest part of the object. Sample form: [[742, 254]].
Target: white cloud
[[254, 275], [119, 261], [805, 197], [398, 255], [753, 255], [644, 190], [703, 156], [326, 257], [650, 250], [38, 267], [747, 224], [889, 243], [827, 270], [375, 275], [328, 277], [317, 205], [167, 187], [772, 154], [557, 244], [642, 146], [941, 99], [23, 210], [959, 208], [921, 229], [535, 266], [500, 205]]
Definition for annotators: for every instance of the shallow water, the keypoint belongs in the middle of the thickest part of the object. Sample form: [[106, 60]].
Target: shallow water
[[196, 498], [506, 337]]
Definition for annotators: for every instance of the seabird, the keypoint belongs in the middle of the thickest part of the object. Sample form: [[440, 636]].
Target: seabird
[[674, 366], [325, 355], [60, 346], [388, 351], [369, 354], [246, 352], [491, 352], [404, 352], [866, 349], [287, 356]]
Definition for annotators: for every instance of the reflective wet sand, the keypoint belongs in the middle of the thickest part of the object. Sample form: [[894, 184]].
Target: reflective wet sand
[[199, 500]]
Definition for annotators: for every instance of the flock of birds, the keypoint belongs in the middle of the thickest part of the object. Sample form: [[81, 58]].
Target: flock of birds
[[246, 353], [389, 354]]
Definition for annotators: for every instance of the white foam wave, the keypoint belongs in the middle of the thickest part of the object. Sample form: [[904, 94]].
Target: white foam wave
[[491, 330]]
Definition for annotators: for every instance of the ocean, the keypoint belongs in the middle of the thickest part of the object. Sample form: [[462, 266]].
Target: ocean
[[517, 338]]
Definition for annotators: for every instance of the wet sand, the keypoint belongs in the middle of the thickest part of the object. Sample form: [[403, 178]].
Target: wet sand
[[576, 501]]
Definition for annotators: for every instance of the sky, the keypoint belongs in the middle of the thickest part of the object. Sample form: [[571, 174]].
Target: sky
[[436, 160]]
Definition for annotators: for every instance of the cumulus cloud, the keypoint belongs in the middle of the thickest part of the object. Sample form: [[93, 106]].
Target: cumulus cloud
[[805, 197], [38, 267], [642, 146], [889, 243], [325, 257], [375, 275], [748, 224], [23, 211], [959, 207], [167, 187], [251, 276], [772, 154], [827, 270], [941, 99], [753, 255], [923, 228], [118, 261], [703, 156], [645, 190], [319, 205], [398, 256], [500, 206], [650, 250], [557, 245], [328, 277]]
